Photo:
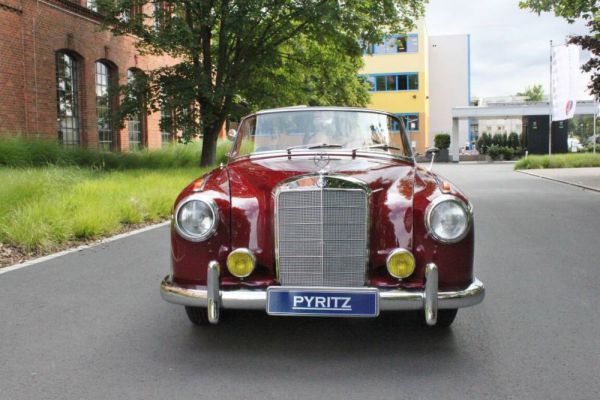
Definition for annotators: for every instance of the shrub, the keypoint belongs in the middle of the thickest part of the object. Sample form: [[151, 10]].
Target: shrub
[[442, 141], [514, 140], [494, 152], [507, 152], [22, 152], [484, 142], [574, 160]]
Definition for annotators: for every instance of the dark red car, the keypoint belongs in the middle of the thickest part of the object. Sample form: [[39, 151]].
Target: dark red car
[[322, 212]]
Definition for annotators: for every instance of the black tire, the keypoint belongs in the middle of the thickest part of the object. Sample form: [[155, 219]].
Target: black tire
[[445, 318], [197, 315]]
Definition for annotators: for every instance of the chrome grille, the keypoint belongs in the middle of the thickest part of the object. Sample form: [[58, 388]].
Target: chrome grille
[[322, 237]]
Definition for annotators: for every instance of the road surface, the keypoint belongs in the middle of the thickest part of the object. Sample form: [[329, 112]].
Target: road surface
[[91, 325]]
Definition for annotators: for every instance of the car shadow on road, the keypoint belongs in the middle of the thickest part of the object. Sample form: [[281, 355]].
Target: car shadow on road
[[306, 337]]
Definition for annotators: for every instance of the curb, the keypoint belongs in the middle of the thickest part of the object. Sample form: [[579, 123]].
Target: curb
[[593, 189], [52, 256]]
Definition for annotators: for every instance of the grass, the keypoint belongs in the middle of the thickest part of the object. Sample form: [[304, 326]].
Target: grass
[[52, 197], [22, 152], [44, 209], [574, 160]]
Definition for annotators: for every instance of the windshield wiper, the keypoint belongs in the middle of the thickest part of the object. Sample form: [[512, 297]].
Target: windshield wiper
[[314, 146], [383, 146], [325, 146]]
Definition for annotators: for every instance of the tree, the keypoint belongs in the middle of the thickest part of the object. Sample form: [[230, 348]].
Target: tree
[[533, 93], [571, 10], [237, 55]]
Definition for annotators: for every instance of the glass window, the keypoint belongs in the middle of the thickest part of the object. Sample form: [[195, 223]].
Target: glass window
[[413, 82], [380, 83], [135, 121], [104, 106], [92, 5], [412, 44], [410, 121], [402, 82], [67, 99], [165, 124], [342, 130], [401, 44], [391, 82]]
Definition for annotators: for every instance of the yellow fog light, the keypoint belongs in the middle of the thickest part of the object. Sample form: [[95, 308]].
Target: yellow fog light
[[401, 263], [241, 262]]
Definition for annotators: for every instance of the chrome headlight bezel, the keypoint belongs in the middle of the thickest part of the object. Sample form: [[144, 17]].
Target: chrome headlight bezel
[[212, 206], [467, 209]]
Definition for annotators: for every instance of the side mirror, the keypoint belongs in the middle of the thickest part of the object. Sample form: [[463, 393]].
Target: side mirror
[[231, 134]]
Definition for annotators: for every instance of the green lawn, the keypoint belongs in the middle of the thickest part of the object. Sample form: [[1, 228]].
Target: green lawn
[[45, 209], [574, 160]]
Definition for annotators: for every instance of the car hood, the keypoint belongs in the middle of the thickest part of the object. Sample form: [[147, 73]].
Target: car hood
[[253, 181]]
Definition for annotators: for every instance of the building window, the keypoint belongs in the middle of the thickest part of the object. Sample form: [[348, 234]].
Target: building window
[[104, 113], [135, 123], [410, 121], [92, 5], [67, 99], [395, 44], [394, 82], [165, 126]]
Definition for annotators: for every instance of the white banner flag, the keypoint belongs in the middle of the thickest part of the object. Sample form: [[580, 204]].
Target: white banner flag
[[565, 74]]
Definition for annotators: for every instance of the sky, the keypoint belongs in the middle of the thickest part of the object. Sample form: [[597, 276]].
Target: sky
[[510, 47]]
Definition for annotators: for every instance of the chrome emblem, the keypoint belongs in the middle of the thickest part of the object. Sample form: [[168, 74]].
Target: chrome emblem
[[322, 160]]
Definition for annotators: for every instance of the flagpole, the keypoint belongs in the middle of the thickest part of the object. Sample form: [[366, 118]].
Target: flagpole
[[550, 105], [595, 116]]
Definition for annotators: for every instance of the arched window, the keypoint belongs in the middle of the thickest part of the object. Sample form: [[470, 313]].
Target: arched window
[[104, 102], [67, 99], [136, 122]]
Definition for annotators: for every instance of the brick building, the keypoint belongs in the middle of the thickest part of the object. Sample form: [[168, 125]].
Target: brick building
[[56, 70]]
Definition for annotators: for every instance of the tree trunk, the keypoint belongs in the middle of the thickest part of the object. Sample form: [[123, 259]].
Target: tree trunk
[[209, 145]]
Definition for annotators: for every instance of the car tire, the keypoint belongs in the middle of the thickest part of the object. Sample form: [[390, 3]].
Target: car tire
[[197, 315], [445, 318]]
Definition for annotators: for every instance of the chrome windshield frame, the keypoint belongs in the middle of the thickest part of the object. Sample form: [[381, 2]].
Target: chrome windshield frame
[[410, 157]]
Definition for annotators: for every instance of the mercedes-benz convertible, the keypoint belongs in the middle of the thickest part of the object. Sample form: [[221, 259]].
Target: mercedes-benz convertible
[[322, 211]]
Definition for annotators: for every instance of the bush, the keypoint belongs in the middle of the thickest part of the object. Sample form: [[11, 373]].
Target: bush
[[442, 141], [494, 152], [484, 142], [573, 160], [514, 140], [507, 152], [21, 152]]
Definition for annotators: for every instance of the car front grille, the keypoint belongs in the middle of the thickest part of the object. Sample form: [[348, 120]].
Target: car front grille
[[322, 237]]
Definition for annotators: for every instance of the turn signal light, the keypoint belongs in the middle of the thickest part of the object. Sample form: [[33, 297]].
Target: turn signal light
[[401, 263], [241, 263]]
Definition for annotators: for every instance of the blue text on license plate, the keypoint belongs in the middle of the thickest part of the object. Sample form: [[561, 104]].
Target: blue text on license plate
[[323, 302]]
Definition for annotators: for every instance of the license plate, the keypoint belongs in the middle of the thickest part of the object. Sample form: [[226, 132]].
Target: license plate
[[324, 302]]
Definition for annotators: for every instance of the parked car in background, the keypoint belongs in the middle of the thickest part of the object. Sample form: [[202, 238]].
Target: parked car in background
[[322, 212]]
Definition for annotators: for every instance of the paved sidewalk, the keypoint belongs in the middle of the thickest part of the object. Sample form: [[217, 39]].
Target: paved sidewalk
[[587, 178]]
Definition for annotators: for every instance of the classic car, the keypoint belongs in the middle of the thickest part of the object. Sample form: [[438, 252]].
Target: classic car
[[322, 211]]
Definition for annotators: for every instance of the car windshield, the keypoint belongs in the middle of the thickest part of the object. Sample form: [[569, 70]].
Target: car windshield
[[325, 130]]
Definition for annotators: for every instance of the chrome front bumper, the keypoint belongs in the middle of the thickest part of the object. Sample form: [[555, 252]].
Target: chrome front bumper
[[429, 300]]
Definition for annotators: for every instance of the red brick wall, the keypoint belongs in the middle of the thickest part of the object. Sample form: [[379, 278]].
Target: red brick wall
[[30, 40]]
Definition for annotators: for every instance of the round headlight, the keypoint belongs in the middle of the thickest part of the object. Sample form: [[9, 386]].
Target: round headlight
[[448, 219], [196, 219], [401, 263], [241, 262]]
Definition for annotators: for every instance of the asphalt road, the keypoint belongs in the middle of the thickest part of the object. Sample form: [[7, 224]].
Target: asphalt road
[[91, 325]]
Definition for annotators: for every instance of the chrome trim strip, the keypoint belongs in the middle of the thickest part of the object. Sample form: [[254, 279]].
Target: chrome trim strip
[[441, 199], [213, 208], [430, 296], [213, 297], [389, 300]]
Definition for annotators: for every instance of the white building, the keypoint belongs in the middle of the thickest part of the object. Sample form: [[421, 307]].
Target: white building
[[449, 83]]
